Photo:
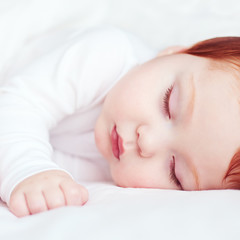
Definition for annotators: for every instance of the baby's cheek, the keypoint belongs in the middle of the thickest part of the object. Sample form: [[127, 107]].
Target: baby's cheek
[[123, 177]]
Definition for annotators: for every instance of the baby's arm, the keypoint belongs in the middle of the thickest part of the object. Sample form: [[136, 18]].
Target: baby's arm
[[45, 191], [33, 101], [65, 80]]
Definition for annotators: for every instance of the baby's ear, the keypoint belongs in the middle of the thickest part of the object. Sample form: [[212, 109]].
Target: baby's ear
[[172, 50]]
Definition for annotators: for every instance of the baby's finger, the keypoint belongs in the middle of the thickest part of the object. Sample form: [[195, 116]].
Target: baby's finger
[[36, 202], [54, 198], [74, 193], [18, 205]]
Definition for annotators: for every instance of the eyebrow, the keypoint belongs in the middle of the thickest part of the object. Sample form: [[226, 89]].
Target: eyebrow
[[189, 108], [193, 169], [195, 174], [191, 101]]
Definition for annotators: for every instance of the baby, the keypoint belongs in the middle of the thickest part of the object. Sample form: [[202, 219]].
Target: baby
[[167, 120]]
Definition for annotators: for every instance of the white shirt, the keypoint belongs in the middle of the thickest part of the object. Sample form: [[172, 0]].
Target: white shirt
[[53, 96]]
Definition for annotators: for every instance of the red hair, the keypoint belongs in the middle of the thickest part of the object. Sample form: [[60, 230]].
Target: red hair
[[223, 50]]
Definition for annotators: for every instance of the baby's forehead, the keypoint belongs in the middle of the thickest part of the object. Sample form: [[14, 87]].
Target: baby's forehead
[[227, 72]]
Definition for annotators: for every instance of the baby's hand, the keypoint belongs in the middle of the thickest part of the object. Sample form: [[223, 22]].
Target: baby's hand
[[44, 191]]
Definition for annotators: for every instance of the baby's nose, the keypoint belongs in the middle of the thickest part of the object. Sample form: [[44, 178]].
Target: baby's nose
[[147, 141]]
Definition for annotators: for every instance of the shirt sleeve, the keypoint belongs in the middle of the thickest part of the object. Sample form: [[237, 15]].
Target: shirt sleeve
[[70, 77]]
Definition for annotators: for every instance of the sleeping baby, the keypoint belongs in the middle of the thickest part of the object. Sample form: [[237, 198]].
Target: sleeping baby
[[166, 120]]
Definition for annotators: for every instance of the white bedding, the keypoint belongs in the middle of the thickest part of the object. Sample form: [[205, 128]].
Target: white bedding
[[115, 213]]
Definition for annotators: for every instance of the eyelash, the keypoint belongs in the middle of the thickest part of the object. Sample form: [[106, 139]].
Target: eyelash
[[166, 101], [173, 176]]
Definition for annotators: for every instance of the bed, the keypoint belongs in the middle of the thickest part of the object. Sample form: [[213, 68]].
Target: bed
[[114, 213]]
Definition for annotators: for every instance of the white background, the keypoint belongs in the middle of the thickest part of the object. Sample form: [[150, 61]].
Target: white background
[[114, 213]]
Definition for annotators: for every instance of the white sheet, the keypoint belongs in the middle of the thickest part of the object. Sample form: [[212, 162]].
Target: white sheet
[[115, 213]]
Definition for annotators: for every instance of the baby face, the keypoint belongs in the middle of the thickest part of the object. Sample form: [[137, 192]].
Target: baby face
[[171, 123]]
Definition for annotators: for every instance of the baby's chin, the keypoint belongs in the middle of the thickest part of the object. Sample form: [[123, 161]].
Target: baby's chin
[[102, 139], [99, 142]]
